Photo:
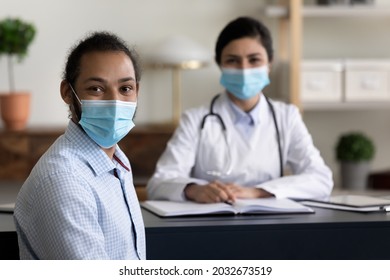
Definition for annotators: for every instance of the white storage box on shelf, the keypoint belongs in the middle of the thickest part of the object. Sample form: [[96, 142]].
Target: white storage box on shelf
[[367, 80], [321, 80]]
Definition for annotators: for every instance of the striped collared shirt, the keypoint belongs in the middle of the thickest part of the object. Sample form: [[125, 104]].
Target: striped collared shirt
[[77, 203]]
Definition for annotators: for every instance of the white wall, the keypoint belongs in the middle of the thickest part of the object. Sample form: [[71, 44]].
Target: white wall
[[144, 23], [141, 23]]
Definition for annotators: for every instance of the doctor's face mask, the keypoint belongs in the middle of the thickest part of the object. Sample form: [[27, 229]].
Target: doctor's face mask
[[106, 121], [245, 83]]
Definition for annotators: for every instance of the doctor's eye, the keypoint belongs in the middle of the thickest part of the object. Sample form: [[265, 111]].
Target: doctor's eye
[[127, 90], [255, 60], [231, 61]]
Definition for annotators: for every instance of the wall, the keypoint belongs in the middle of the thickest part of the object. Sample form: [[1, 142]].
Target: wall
[[145, 23]]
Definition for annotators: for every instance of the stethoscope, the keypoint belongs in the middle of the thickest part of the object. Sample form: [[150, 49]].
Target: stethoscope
[[223, 126]]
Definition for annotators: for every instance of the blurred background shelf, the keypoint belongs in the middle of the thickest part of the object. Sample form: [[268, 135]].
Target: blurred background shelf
[[345, 106], [329, 11]]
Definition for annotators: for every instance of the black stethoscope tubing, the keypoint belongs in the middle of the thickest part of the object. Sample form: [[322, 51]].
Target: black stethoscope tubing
[[218, 116]]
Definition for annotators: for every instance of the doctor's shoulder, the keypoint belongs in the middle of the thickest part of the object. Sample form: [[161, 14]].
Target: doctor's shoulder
[[285, 112], [193, 116]]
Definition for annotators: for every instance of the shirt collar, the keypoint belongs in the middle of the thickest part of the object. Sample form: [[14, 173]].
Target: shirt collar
[[93, 154], [250, 118]]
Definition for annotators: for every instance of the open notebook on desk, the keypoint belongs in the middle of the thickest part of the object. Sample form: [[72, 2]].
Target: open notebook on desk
[[358, 203], [165, 208]]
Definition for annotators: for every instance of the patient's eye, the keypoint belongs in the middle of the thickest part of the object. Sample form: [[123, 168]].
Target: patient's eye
[[95, 90]]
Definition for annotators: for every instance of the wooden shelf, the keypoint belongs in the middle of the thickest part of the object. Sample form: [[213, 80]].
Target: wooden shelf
[[331, 11], [345, 11], [345, 106]]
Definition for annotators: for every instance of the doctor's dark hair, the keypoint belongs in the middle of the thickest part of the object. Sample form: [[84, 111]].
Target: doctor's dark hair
[[98, 41], [244, 27]]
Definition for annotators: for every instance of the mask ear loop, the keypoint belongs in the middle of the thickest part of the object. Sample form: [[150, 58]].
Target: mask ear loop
[[75, 94], [78, 99]]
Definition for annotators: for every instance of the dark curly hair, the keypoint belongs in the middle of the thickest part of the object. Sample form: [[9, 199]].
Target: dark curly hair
[[98, 41]]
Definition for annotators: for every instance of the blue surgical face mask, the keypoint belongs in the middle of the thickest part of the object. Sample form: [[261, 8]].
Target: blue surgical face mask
[[245, 83], [106, 121]]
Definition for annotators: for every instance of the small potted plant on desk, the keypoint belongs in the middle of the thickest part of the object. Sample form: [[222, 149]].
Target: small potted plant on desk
[[354, 151], [15, 37]]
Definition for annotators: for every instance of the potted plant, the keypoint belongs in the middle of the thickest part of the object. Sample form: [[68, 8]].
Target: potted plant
[[15, 38], [354, 151]]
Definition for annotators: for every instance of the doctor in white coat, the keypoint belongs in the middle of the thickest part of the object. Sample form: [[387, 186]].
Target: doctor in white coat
[[239, 145]]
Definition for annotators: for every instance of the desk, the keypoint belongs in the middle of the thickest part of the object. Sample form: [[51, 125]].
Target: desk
[[327, 234], [8, 240], [9, 249]]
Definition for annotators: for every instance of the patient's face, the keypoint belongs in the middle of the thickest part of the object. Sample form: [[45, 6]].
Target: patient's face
[[106, 75]]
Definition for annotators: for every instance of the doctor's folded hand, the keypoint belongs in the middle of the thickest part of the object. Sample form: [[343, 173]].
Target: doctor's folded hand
[[239, 144], [217, 191]]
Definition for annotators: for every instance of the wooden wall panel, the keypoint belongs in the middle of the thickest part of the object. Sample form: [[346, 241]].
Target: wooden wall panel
[[19, 151]]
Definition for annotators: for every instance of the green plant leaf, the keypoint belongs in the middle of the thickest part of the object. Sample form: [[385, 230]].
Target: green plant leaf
[[354, 146], [15, 38]]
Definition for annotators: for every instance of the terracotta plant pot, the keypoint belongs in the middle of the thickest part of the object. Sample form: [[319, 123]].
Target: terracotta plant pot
[[15, 110]]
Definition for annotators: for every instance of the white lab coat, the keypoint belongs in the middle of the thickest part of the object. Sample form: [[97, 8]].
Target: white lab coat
[[254, 161]]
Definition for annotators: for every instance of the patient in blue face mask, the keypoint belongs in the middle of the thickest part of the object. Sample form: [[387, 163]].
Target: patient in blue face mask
[[79, 201], [106, 121]]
